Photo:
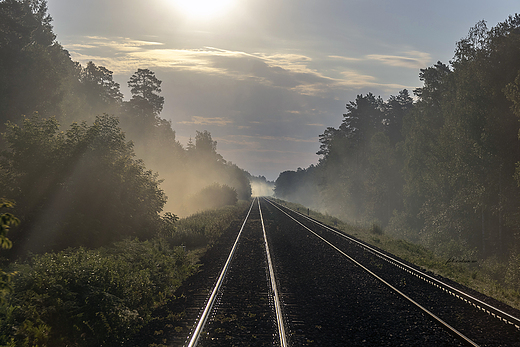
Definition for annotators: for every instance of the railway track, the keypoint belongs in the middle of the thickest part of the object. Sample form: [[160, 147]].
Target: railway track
[[292, 281], [247, 308]]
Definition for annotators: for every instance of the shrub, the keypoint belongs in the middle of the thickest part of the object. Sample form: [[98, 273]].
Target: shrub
[[376, 229], [81, 297]]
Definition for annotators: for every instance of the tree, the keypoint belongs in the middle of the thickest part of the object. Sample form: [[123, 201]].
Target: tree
[[145, 88], [204, 143], [395, 110], [33, 66], [461, 144], [214, 196], [99, 87], [81, 187], [364, 118]]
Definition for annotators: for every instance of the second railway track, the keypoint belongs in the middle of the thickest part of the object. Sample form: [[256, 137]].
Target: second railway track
[[326, 297]]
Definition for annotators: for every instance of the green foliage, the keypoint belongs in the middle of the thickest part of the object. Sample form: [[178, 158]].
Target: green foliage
[[145, 88], [512, 275], [376, 229], [79, 187], [7, 220], [168, 225], [92, 297], [37, 75], [33, 66], [359, 176]]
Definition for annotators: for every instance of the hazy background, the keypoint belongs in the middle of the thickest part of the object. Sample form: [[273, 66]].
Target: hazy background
[[265, 78]]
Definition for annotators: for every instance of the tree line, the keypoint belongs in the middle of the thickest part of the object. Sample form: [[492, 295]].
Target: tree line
[[83, 166], [442, 167]]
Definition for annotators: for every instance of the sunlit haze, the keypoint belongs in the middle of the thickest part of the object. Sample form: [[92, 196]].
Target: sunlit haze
[[267, 77], [203, 9]]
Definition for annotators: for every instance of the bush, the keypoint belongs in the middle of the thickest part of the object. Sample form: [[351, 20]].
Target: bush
[[81, 297], [512, 276], [376, 229]]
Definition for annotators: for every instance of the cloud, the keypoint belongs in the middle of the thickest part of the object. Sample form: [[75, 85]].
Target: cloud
[[349, 59], [287, 139], [287, 71], [410, 59], [355, 80], [253, 140], [218, 121]]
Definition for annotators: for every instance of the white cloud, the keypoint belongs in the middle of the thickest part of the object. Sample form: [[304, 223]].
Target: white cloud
[[410, 59], [349, 59], [218, 121], [288, 71]]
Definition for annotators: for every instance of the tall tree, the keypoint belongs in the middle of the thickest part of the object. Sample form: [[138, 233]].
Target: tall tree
[[100, 86], [33, 65], [145, 88]]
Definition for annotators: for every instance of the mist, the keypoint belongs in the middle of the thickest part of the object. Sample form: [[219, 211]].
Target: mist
[[260, 186], [193, 173]]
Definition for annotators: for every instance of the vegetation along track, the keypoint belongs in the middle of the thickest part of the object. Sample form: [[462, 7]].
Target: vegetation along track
[[335, 290]]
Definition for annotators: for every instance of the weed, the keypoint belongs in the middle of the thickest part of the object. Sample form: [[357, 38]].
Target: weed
[[376, 229]]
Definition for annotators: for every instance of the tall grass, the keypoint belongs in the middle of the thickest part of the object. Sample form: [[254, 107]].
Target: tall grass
[[204, 228]]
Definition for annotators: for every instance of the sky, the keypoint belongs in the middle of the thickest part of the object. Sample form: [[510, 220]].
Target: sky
[[267, 77]]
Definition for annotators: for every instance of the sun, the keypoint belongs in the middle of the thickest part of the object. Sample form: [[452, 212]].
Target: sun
[[203, 9]]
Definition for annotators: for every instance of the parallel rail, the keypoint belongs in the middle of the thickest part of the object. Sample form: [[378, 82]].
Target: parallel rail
[[203, 319], [276, 298], [447, 326], [209, 305], [493, 311]]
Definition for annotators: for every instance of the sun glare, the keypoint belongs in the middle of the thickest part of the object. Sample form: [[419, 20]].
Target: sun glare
[[202, 9]]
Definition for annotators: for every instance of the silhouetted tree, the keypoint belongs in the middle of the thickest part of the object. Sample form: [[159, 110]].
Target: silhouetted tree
[[99, 87], [145, 88], [33, 66]]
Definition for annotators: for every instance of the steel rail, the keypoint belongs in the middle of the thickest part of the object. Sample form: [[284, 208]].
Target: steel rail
[[209, 305], [457, 333], [278, 308], [495, 312]]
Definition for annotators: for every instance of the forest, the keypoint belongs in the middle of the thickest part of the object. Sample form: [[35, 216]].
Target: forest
[[83, 166], [441, 166]]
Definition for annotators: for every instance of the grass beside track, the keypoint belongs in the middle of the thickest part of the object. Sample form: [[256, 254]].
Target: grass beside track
[[480, 276]]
